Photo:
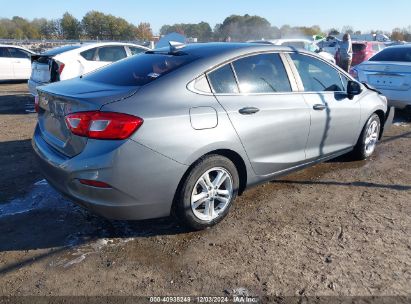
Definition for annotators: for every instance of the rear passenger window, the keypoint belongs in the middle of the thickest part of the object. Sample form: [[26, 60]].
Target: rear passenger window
[[4, 52], [375, 48], [316, 75], [263, 73], [89, 54], [17, 53], [135, 50], [111, 53], [222, 80]]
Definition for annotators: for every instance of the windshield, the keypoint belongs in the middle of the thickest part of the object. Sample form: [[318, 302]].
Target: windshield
[[400, 54], [140, 70]]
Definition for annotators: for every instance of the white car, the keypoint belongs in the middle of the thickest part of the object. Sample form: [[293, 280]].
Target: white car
[[71, 61], [300, 43], [389, 71], [14, 62]]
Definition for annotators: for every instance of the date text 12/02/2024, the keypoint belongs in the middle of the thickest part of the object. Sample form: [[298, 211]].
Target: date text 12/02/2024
[[204, 299]]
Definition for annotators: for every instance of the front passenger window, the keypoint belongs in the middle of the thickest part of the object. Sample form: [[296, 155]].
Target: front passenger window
[[316, 75]]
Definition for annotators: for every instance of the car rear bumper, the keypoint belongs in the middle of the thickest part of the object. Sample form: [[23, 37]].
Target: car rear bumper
[[398, 99], [143, 182]]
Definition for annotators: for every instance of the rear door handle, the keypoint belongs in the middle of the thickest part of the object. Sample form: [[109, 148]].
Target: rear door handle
[[248, 110], [319, 107]]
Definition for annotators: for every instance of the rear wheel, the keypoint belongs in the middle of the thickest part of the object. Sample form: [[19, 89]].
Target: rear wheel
[[368, 139], [207, 192]]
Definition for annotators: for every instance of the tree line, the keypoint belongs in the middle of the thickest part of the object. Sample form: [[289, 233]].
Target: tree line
[[94, 25], [99, 26]]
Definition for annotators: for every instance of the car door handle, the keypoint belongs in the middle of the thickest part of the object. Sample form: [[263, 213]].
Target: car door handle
[[319, 107], [248, 110]]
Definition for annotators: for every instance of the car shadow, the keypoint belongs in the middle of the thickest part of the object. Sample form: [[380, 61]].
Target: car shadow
[[16, 103], [18, 167], [58, 225], [18, 81], [346, 184], [43, 219]]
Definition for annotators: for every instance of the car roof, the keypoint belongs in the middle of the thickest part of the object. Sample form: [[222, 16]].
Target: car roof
[[79, 47], [206, 50], [16, 46], [213, 54], [400, 46]]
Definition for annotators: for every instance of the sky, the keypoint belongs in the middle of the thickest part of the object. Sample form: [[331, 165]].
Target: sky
[[362, 15]]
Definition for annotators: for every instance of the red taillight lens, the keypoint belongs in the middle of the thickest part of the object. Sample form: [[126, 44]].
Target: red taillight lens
[[36, 103], [94, 183], [61, 67], [103, 125]]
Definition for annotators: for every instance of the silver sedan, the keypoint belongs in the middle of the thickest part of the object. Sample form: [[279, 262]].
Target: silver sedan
[[184, 130]]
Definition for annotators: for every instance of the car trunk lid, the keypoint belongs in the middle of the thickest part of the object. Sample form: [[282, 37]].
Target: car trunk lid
[[388, 75], [77, 95]]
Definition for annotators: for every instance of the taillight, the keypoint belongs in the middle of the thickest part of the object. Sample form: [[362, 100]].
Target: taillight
[[36, 103], [94, 183], [60, 67], [103, 125]]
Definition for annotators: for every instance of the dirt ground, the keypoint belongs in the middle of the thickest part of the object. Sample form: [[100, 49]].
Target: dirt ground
[[338, 229]]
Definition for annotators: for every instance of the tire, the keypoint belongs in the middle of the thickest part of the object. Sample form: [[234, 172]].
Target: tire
[[199, 207], [368, 139]]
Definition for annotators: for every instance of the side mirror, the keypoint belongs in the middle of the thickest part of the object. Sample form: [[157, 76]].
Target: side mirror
[[353, 89]]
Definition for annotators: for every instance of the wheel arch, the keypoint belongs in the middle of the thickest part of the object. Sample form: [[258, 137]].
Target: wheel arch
[[231, 155], [381, 116]]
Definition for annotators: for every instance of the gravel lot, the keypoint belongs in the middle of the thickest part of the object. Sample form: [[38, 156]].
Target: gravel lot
[[338, 229]]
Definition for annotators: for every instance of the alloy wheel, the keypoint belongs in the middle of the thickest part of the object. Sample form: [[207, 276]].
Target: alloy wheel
[[212, 194]]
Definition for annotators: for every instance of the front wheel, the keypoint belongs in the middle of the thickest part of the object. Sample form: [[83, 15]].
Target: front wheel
[[207, 192], [368, 139]]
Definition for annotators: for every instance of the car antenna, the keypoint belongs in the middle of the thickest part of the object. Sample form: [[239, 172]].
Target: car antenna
[[175, 46]]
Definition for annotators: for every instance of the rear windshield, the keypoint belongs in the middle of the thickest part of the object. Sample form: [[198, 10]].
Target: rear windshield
[[140, 70], [358, 47], [401, 54], [59, 50]]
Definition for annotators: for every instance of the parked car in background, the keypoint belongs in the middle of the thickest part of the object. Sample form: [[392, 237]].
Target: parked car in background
[[329, 45], [184, 130], [299, 43], [362, 51], [75, 60], [15, 62], [389, 71]]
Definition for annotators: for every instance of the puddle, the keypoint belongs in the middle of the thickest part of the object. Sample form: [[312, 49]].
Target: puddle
[[41, 196]]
